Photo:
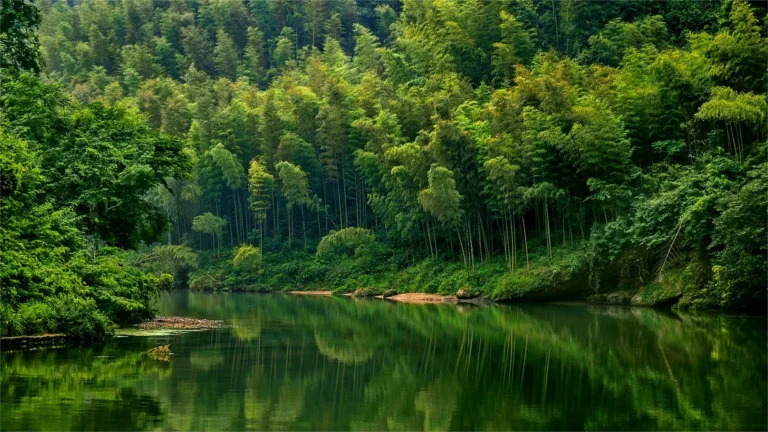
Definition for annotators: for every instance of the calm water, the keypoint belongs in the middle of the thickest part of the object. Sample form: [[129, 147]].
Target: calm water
[[307, 363]]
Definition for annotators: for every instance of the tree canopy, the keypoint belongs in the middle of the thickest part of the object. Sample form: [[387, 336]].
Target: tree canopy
[[467, 132]]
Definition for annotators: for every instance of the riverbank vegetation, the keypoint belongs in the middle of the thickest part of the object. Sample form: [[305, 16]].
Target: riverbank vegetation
[[73, 180], [517, 149]]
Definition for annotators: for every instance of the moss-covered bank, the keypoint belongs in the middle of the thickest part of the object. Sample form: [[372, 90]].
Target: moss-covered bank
[[570, 273]]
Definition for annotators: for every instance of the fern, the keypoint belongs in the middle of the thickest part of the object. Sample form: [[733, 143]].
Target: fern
[[247, 256]]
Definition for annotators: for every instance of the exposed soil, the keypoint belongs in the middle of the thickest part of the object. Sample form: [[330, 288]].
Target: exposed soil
[[415, 298], [422, 298], [180, 323], [311, 293]]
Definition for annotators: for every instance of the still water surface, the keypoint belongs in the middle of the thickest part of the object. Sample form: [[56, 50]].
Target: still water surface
[[309, 363]]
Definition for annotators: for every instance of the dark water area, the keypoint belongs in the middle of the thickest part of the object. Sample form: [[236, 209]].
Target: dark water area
[[328, 363]]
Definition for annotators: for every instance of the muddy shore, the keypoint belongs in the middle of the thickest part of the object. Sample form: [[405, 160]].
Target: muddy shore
[[414, 298]]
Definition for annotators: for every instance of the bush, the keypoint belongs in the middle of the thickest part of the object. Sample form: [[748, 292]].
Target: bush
[[37, 317], [346, 241], [69, 314], [80, 317]]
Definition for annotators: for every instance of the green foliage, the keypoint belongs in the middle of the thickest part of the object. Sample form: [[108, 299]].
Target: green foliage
[[230, 167], [100, 161], [732, 107], [18, 41], [77, 183], [294, 184], [610, 45], [209, 224], [285, 47], [260, 184], [459, 131], [225, 55], [51, 282], [202, 280], [739, 51], [169, 260], [77, 316], [347, 240], [739, 267], [563, 276], [516, 47], [247, 257], [441, 199], [673, 284]]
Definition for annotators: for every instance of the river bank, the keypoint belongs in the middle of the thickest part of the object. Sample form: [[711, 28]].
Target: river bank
[[33, 341], [568, 274], [158, 326], [415, 298]]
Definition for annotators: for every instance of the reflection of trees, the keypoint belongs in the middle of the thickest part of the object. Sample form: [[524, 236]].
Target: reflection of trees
[[438, 403], [246, 329], [349, 348], [516, 367], [206, 360], [68, 386], [255, 402], [289, 403], [331, 363], [270, 404]]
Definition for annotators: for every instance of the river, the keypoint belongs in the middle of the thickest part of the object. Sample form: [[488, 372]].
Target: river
[[330, 363]]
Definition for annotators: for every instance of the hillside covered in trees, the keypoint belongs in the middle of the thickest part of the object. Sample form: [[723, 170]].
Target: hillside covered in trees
[[522, 149]]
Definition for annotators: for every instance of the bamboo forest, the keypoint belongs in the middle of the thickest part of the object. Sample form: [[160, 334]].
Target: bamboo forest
[[383, 214]]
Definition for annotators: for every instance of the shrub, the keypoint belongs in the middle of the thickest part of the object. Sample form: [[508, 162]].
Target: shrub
[[80, 317], [247, 257], [346, 241]]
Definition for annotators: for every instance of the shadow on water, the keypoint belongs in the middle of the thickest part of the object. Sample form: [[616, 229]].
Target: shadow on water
[[332, 363]]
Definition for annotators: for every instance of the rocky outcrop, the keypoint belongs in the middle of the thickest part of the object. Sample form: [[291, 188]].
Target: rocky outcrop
[[364, 293], [465, 294], [615, 298], [674, 287]]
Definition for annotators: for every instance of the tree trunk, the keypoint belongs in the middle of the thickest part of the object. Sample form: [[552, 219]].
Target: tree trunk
[[344, 196], [514, 242], [525, 242], [236, 230], [546, 221], [504, 241], [338, 201], [461, 245]]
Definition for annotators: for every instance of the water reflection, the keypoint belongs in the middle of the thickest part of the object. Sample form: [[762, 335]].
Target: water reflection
[[83, 389], [311, 363]]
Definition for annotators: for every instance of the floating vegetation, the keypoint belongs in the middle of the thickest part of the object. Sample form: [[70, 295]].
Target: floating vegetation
[[162, 353], [180, 323], [159, 332], [169, 326]]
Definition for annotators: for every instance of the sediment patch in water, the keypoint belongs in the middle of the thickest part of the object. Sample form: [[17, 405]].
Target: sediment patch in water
[[183, 323], [166, 326]]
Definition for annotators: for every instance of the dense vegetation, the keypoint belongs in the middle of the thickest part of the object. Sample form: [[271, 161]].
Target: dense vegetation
[[73, 181], [517, 148]]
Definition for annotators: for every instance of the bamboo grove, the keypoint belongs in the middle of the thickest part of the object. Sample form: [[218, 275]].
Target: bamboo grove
[[470, 131]]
